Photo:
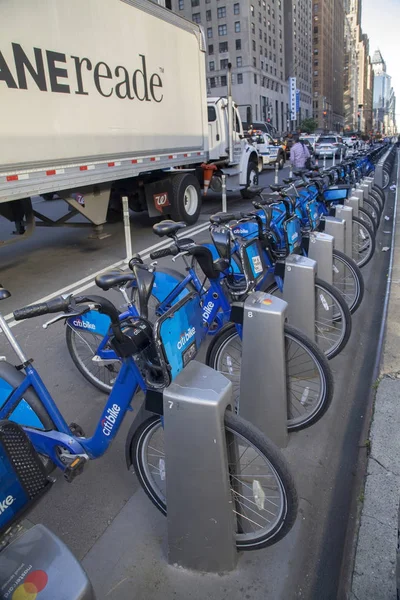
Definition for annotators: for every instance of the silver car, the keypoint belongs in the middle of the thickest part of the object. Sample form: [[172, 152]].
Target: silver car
[[330, 145]]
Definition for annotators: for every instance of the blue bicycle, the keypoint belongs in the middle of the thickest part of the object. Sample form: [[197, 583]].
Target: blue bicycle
[[264, 499], [309, 378]]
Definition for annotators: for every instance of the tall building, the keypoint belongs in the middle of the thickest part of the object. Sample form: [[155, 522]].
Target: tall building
[[384, 100], [358, 74], [298, 51], [328, 68], [249, 35]]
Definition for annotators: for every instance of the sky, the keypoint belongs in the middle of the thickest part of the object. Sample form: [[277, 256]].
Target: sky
[[380, 20]]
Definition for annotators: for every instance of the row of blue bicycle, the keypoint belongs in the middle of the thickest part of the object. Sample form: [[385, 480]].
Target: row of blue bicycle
[[166, 318]]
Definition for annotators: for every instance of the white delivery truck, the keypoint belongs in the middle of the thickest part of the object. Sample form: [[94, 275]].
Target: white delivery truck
[[101, 99]]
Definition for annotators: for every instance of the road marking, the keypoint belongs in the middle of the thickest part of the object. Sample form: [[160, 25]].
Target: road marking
[[87, 282]]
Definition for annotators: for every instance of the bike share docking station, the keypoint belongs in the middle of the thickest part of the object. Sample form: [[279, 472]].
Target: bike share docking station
[[320, 249], [346, 213], [200, 518]]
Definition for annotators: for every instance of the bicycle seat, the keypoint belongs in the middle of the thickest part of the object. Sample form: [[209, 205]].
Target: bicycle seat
[[222, 217], [113, 278], [277, 188], [168, 227], [4, 294], [289, 180]]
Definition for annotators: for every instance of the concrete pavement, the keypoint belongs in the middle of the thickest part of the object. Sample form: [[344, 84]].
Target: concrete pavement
[[374, 574]]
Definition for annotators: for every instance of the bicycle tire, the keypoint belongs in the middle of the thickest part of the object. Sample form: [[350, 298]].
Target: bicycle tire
[[323, 327], [376, 204], [361, 229], [353, 301], [298, 395], [370, 208], [385, 178], [378, 190], [234, 425], [367, 218], [377, 198]]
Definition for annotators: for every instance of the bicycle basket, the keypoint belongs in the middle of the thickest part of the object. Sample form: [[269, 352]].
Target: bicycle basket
[[23, 478], [178, 334], [254, 266], [293, 236]]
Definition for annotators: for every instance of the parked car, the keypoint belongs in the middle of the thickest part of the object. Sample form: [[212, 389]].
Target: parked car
[[330, 145], [271, 151], [350, 140], [259, 126]]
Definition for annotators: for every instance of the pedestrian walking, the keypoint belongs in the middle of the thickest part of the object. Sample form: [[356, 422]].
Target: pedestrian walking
[[299, 154]]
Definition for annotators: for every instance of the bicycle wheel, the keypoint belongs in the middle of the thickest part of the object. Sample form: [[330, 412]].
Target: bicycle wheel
[[386, 178], [367, 219], [332, 317], [377, 198], [348, 280], [370, 208], [363, 242], [258, 523], [379, 191], [82, 346], [309, 381]]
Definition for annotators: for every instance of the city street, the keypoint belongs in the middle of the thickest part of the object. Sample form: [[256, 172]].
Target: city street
[[103, 515]]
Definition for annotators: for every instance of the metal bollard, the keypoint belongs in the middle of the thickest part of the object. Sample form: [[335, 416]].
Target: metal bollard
[[276, 179], [324, 161], [201, 532], [263, 399], [299, 292], [224, 201], [333, 159], [336, 228], [320, 249], [354, 203], [291, 171], [127, 229], [346, 213]]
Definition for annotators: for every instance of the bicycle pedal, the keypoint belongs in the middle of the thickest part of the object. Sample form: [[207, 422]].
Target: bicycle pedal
[[75, 468], [76, 430]]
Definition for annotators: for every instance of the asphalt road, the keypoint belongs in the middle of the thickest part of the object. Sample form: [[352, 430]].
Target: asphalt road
[[308, 562]]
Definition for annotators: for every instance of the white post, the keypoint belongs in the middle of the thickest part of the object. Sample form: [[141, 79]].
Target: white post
[[276, 180], [291, 171], [341, 154], [224, 203], [127, 228], [324, 161]]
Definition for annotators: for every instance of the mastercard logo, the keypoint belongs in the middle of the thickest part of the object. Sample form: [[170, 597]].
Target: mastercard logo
[[34, 583], [267, 302]]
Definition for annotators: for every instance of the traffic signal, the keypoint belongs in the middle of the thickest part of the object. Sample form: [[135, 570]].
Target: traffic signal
[[325, 113]]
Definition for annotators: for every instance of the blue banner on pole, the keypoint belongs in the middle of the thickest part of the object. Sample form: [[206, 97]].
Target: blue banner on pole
[[297, 101]]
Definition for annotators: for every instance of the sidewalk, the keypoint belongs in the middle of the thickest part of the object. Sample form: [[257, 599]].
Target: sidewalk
[[374, 576]]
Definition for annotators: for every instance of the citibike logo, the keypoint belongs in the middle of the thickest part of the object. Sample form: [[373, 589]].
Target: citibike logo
[[207, 310], [83, 324], [6, 503], [109, 420], [186, 336]]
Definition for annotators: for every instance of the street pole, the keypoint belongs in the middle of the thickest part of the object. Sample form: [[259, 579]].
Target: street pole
[[324, 161], [276, 180], [224, 202], [127, 228]]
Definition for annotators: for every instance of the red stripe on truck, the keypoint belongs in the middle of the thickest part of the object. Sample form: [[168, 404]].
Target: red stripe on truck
[[52, 172], [12, 177], [83, 168]]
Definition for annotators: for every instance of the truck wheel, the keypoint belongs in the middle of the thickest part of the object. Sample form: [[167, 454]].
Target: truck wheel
[[252, 179], [186, 202]]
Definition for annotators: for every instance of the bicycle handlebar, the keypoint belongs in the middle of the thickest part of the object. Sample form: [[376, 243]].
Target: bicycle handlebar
[[58, 304], [170, 251]]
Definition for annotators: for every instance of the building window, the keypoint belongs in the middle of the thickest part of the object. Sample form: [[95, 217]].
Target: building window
[[280, 19], [273, 14], [212, 82], [255, 78], [259, 17], [238, 44], [237, 26], [223, 64], [196, 17], [222, 30], [252, 10], [254, 46], [211, 65], [181, 4], [261, 50], [264, 4], [236, 8], [223, 80], [195, 2], [223, 46], [265, 37], [280, 34], [208, 15], [315, 73], [209, 32], [253, 29], [240, 78], [210, 49], [221, 12], [269, 25], [273, 43], [239, 61], [254, 62], [316, 29]]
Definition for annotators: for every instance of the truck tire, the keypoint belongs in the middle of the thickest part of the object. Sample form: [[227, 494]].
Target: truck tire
[[186, 201], [252, 179]]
